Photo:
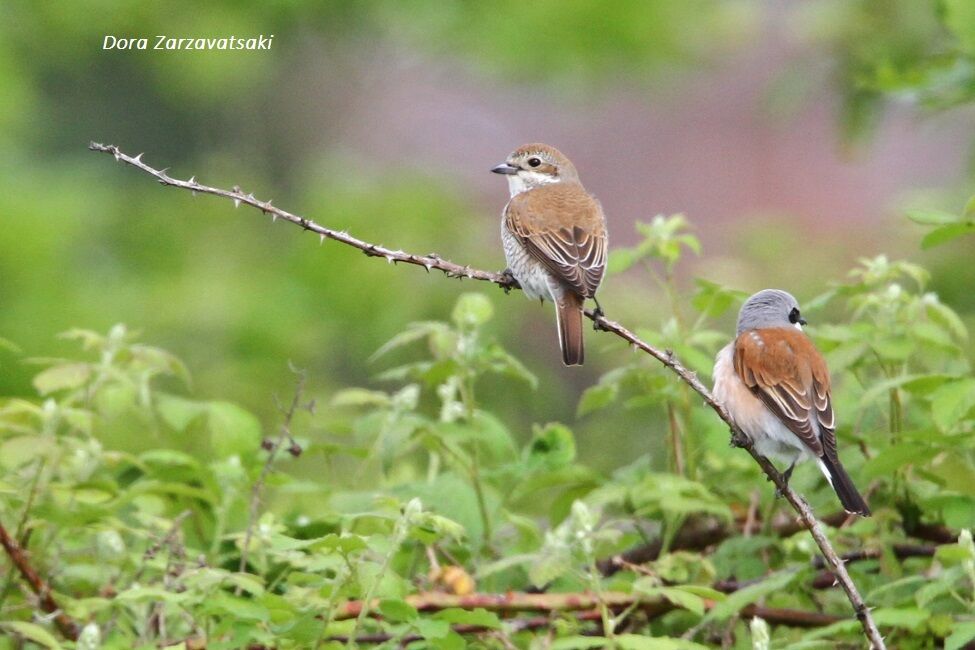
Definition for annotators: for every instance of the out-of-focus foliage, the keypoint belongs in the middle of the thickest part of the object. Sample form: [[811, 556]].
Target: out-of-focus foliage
[[901, 50], [446, 462], [420, 488]]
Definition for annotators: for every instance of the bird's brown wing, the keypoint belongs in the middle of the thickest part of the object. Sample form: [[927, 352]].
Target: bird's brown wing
[[784, 369], [562, 226]]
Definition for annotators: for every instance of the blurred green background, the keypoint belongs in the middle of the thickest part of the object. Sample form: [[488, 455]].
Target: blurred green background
[[793, 135]]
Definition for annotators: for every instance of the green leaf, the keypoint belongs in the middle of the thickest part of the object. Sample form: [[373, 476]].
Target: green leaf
[[360, 397], [739, 599], [597, 397], [178, 412], [578, 643], [895, 457], [32, 632], [62, 377], [240, 608], [397, 611], [952, 401], [431, 628], [640, 642], [961, 635], [480, 617], [712, 299], [233, 431], [945, 234], [247, 582], [414, 332], [472, 310], [911, 618], [959, 17], [675, 595], [931, 217], [951, 554], [552, 564], [552, 447]]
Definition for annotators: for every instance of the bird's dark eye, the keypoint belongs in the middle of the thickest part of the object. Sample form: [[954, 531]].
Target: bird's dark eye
[[534, 162], [796, 317]]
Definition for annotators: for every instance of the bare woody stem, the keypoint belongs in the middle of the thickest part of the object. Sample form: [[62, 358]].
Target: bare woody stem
[[515, 603], [258, 487], [666, 357], [19, 557], [546, 605]]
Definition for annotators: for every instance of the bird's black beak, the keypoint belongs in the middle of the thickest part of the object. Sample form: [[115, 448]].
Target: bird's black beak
[[802, 321], [506, 169]]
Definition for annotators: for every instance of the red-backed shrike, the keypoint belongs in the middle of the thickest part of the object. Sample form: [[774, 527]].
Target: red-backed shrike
[[775, 385], [554, 236]]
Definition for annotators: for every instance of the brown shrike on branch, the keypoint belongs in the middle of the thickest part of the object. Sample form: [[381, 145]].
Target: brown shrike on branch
[[554, 236], [775, 385]]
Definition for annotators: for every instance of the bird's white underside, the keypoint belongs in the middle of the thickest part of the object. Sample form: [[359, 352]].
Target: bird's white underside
[[770, 437], [536, 281]]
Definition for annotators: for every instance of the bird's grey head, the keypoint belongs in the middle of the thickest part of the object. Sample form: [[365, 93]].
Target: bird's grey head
[[770, 308]]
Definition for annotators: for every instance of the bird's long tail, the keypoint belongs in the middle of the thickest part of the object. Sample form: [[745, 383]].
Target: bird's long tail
[[568, 311], [843, 486]]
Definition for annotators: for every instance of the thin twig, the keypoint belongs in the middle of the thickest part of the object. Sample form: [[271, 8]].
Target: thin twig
[[666, 357], [66, 625], [272, 448], [154, 548]]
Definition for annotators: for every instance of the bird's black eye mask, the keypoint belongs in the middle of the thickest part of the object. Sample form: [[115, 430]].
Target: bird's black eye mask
[[796, 317]]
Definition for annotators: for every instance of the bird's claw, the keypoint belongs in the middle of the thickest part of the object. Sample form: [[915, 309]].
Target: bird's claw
[[739, 439], [597, 315], [509, 281]]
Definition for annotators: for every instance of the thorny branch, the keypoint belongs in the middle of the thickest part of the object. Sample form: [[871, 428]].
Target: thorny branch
[[666, 357]]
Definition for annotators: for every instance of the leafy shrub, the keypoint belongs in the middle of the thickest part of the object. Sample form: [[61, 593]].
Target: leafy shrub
[[398, 524]]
